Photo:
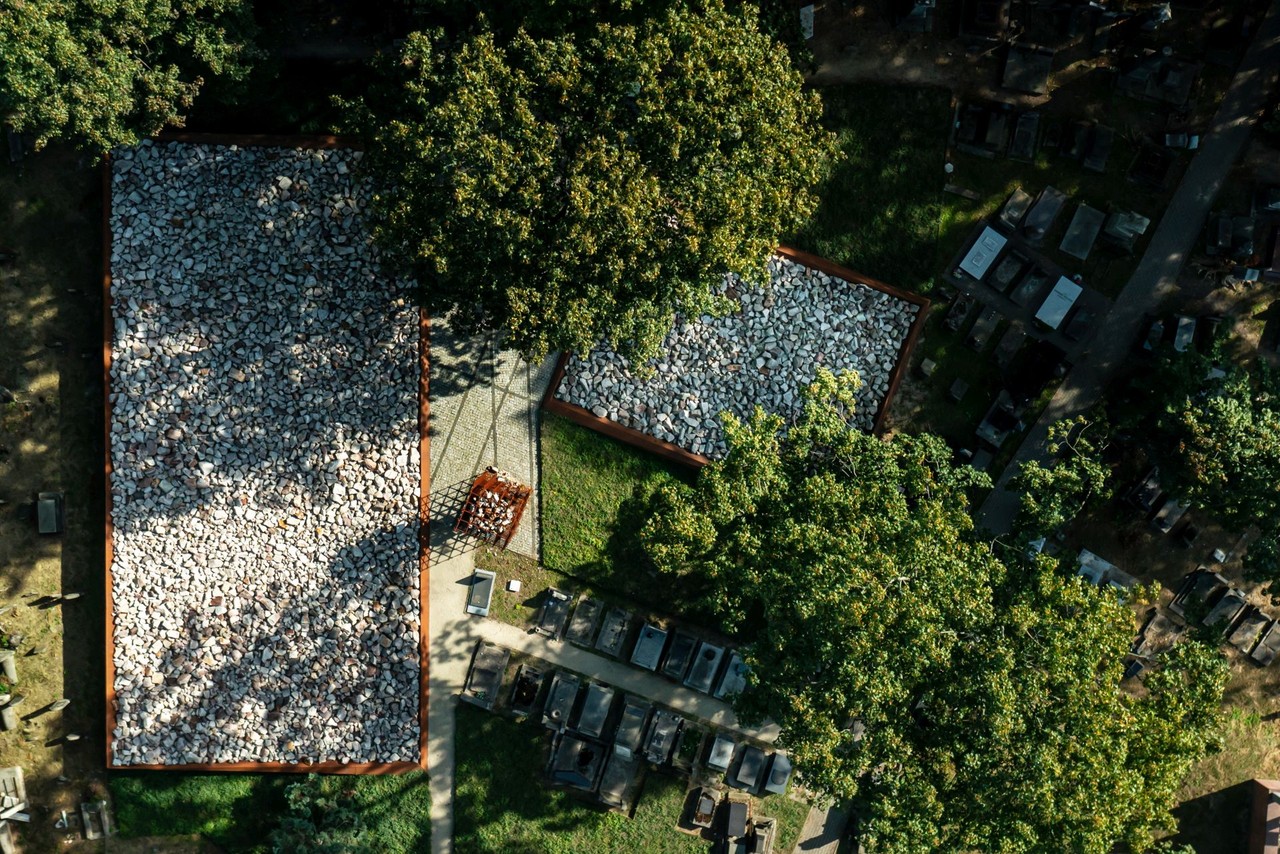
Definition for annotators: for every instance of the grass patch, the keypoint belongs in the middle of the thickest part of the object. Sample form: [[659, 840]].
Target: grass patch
[[237, 812], [591, 511], [50, 214], [882, 207], [1215, 797], [521, 609], [234, 811], [502, 805], [790, 814]]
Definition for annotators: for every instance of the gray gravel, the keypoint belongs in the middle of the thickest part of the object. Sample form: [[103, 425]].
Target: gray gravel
[[763, 354], [266, 475]]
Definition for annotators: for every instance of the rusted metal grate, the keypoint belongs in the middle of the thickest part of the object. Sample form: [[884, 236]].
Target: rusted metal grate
[[493, 508]]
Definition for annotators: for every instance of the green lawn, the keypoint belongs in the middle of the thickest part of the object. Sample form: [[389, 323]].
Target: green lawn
[[502, 804], [237, 812], [790, 814], [591, 511]]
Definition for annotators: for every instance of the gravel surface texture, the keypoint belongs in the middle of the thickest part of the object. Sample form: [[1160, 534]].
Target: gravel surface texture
[[762, 354], [264, 442]]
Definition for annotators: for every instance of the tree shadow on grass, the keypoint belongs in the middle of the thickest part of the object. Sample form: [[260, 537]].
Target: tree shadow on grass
[[627, 567], [218, 806], [501, 790]]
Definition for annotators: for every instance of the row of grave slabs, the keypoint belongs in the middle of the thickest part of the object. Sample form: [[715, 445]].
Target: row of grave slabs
[[1001, 277], [603, 741]]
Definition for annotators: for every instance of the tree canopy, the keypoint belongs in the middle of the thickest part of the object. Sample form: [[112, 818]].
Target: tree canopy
[[965, 700], [1216, 436], [102, 73], [572, 188], [1053, 492]]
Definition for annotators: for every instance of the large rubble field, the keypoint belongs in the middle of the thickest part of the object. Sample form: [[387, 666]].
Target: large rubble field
[[264, 446]]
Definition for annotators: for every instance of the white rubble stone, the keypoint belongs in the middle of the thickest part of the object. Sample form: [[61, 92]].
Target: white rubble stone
[[258, 569], [763, 353]]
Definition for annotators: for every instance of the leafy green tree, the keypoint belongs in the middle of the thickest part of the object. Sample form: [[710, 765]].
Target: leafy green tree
[[963, 702], [1052, 495], [103, 73], [319, 822], [1216, 437], [588, 186]]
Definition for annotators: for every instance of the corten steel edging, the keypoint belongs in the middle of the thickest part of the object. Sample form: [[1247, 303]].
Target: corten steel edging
[[669, 451], [108, 327], [613, 429], [903, 365], [257, 140], [424, 501], [424, 527], [281, 767]]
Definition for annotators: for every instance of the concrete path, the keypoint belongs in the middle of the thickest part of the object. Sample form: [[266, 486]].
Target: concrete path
[[823, 829], [453, 636], [484, 412], [1155, 279]]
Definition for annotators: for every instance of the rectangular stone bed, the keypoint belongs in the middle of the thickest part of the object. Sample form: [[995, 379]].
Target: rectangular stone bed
[[264, 459], [811, 314]]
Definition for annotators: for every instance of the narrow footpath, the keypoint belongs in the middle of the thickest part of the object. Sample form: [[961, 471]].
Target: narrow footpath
[[1157, 274]]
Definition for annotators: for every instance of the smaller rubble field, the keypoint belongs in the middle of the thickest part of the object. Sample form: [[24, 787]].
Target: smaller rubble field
[[763, 354]]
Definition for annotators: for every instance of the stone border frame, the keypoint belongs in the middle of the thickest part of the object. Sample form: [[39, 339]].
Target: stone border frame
[[424, 493], [675, 453]]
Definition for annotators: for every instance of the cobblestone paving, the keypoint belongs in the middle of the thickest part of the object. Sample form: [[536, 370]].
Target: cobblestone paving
[[484, 412]]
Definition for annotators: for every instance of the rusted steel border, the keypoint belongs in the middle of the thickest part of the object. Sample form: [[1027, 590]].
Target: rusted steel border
[[612, 429], [108, 328], [424, 527], [424, 501], [669, 451]]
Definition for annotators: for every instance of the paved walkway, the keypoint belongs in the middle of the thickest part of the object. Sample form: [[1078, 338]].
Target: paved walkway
[[1155, 279], [453, 636], [484, 412], [822, 831]]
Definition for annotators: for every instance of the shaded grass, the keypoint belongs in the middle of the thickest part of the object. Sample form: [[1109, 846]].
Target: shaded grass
[[790, 814], [882, 207], [237, 812], [1213, 805], [50, 358], [592, 506], [502, 805]]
